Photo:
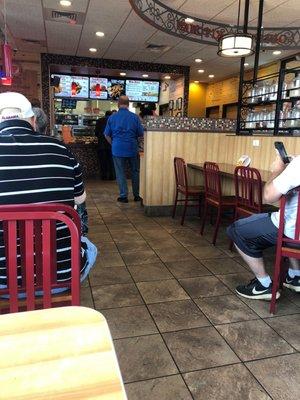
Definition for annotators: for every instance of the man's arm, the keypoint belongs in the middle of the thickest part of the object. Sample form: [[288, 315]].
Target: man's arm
[[270, 193], [108, 138], [108, 132]]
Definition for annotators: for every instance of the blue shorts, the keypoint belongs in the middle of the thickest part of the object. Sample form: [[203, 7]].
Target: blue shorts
[[254, 234]]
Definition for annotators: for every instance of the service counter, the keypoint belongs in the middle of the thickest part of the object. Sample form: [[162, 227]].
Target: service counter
[[160, 148], [86, 154]]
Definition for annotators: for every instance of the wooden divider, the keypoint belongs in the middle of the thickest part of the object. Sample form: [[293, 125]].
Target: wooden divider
[[157, 173]]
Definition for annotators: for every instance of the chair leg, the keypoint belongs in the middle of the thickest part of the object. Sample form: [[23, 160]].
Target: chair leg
[[184, 209], [275, 286], [204, 217], [217, 226], [211, 216], [231, 242], [175, 204], [199, 213]]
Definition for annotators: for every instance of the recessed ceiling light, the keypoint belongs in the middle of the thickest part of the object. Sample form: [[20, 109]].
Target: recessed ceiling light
[[100, 34], [167, 77], [276, 52], [189, 20], [211, 76], [196, 81], [198, 60], [200, 71], [246, 65], [145, 75], [123, 73], [65, 3], [92, 49]]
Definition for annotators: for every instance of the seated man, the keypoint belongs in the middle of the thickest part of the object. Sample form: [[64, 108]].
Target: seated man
[[254, 234], [38, 169]]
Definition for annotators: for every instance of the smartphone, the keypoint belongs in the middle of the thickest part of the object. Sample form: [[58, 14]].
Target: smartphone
[[279, 146]]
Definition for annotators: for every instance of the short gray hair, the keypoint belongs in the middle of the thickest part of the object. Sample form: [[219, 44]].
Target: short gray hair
[[41, 120]]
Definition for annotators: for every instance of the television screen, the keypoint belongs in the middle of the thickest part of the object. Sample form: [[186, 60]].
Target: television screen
[[72, 86], [147, 91], [69, 103], [106, 88]]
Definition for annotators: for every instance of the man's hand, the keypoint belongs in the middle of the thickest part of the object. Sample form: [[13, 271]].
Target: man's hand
[[277, 166]]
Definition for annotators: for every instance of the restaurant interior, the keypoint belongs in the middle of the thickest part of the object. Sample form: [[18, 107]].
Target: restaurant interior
[[215, 86]]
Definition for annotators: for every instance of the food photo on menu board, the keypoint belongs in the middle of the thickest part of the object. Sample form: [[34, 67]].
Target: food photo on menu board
[[98, 88], [116, 88], [72, 86], [142, 90]]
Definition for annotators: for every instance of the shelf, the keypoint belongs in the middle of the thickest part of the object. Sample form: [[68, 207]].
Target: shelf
[[262, 103], [290, 100]]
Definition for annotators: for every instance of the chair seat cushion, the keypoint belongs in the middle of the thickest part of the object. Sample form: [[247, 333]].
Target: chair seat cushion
[[193, 190]]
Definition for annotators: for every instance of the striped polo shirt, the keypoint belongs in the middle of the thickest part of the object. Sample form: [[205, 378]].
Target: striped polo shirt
[[38, 169]]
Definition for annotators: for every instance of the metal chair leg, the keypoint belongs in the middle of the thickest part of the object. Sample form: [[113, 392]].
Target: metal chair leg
[[217, 226], [184, 210], [175, 204], [204, 217], [275, 286]]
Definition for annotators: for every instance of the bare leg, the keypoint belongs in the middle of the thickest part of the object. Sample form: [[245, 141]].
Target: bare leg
[[256, 264]]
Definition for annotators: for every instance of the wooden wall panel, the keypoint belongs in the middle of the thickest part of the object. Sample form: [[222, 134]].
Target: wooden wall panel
[[157, 172]]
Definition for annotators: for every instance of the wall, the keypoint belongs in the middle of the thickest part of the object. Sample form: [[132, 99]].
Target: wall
[[158, 183], [197, 100], [27, 75]]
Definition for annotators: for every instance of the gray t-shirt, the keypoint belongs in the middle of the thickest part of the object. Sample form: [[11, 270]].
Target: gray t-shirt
[[285, 182]]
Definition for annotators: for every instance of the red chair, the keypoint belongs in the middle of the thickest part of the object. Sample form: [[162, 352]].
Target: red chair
[[34, 227], [213, 196], [191, 193], [285, 247]]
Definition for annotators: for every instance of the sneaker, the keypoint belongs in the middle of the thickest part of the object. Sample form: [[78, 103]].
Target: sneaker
[[122, 199], [292, 283], [255, 290], [137, 198]]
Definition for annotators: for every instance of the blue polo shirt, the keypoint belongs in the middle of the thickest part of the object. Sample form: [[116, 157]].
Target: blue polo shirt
[[124, 128]]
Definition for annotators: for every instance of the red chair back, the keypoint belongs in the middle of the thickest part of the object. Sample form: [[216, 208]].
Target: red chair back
[[180, 173], [248, 189], [30, 234], [212, 181]]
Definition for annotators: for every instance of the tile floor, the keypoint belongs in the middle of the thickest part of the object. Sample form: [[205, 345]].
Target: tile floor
[[179, 330]]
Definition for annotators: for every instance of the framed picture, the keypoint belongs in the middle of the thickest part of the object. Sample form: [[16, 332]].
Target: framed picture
[[171, 105], [179, 103]]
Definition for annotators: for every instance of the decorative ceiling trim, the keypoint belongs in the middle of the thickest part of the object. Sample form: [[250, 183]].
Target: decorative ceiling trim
[[171, 21]]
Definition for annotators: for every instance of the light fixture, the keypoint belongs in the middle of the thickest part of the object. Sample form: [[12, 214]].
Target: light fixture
[[92, 49], [189, 20], [211, 76], [200, 71], [167, 77], [198, 60], [123, 73], [246, 65], [196, 81], [276, 52], [100, 34], [236, 44], [145, 75], [65, 3]]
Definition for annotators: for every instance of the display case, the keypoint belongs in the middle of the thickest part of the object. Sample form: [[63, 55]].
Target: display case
[[271, 104]]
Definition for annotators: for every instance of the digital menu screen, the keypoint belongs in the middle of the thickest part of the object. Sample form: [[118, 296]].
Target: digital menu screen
[[147, 91], [73, 86], [106, 88]]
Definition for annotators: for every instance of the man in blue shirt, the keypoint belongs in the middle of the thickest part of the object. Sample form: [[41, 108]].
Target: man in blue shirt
[[123, 130]]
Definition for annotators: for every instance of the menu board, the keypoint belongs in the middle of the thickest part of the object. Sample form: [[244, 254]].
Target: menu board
[[106, 88], [142, 90], [72, 86]]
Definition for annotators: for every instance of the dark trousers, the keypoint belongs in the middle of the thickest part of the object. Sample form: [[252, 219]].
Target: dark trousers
[[120, 168], [107, 171]]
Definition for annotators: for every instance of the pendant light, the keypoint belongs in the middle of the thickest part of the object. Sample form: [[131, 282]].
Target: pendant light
[[6, 56], [236, 44]]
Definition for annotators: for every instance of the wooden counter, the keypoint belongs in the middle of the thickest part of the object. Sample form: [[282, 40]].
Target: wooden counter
[[160, 148]]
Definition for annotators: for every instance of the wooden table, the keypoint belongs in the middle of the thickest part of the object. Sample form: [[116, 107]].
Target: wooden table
[[57, 354], [227, 170]]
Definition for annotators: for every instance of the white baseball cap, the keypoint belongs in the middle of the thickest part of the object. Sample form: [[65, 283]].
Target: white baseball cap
[[14, 105]]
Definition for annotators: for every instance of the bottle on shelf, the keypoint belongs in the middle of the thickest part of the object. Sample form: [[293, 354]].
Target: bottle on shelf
[[295, 86], [273, 91]]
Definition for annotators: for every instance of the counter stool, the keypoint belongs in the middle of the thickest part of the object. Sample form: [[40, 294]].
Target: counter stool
[[213, 196], [190, 193]]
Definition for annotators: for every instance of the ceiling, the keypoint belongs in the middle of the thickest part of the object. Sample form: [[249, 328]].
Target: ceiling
[[126, 35]]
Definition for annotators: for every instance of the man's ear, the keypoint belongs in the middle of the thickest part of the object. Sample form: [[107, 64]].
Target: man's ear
[[32, 122]]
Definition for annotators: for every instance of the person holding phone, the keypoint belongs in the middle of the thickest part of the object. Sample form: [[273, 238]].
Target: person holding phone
[[254, 234]]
